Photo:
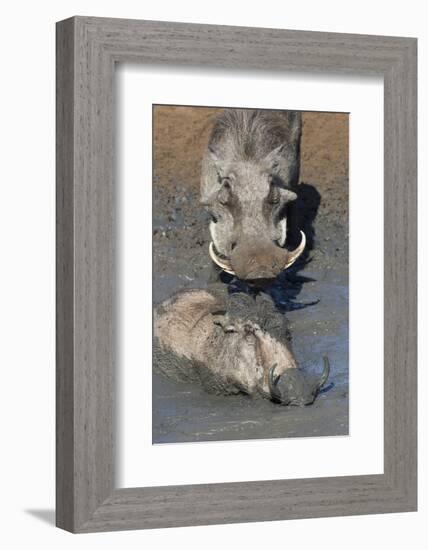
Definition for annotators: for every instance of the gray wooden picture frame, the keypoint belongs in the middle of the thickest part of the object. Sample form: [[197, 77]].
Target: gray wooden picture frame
[[87, 50]]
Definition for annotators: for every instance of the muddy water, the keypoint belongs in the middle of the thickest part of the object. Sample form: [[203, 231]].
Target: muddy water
[[184, 412]]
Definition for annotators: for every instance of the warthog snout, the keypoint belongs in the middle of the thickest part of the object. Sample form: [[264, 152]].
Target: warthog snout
[[259, 259], [292, 387], [255, 259]]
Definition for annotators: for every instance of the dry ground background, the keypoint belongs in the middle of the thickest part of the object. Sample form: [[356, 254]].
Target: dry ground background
[[182, 412]]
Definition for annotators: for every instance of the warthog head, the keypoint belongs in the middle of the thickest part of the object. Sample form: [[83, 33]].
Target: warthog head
[[291, 387], [253, 350], [248, 174]]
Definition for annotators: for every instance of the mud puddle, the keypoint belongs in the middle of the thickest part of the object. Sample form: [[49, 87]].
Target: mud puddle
[[184, 412]]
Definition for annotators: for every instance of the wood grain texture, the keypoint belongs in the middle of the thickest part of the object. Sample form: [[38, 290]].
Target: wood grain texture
[[64, 278], [87, 49]]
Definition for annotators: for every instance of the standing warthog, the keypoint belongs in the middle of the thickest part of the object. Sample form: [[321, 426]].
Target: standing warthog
[[250, 173], [196, 339]]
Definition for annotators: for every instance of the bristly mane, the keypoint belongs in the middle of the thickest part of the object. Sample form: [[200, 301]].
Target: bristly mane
[[250, 134]]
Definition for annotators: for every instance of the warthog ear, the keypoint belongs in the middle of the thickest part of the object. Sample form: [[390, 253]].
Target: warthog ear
[[213, 153], [219, 163], [276, 155], [215, 158], [287, 149], [280, 157]]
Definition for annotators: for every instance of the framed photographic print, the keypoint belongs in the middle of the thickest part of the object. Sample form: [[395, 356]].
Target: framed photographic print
[[236, 274]]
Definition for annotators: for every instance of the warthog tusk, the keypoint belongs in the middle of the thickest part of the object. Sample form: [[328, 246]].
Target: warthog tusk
[[294, 254], [224, 264], [283, 227], [324, 376], [272, 382]]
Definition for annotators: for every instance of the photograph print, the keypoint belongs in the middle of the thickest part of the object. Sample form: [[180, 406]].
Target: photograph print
[[250, 274]]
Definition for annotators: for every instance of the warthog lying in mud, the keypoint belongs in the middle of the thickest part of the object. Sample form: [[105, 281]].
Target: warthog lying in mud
[[199, 338], [249, 179]]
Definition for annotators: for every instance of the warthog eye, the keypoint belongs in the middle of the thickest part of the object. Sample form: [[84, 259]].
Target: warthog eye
[[226, 183], [225, 191]]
